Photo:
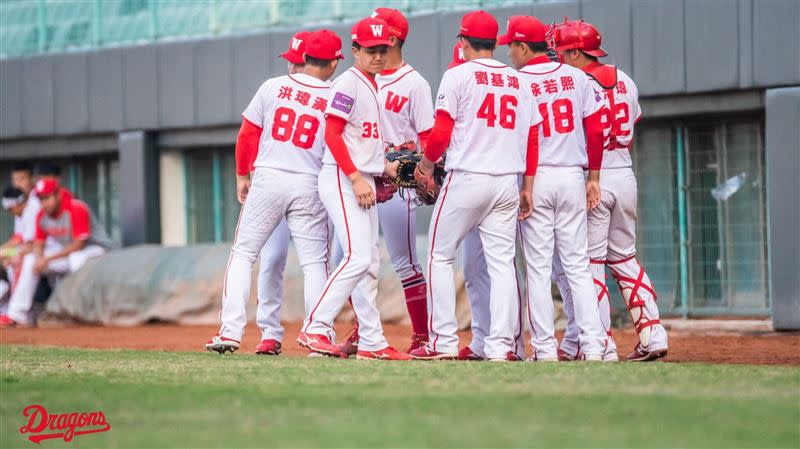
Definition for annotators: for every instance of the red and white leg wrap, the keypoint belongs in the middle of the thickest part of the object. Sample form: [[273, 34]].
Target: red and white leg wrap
[[640, 297], [598, 269]]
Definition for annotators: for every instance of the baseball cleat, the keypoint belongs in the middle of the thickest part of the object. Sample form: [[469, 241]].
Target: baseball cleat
[[564, 356], [269, 347], [417, 341], [387, 353], [425, 353], [320, 344], [467, 354], [222, 344], [313, 355], [6, 321], [592, 358], [640, 355], [350, 346], [511, 356]]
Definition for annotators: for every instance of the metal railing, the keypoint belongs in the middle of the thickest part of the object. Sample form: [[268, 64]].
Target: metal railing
[[30, 27]]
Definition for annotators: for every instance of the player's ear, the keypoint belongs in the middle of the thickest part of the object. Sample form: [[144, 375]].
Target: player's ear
[[354, 51]]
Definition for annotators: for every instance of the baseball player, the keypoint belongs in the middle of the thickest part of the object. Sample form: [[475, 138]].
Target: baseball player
[[484, 114], [407, 115], [477, 283], [355, 148], [571, 138], [274, 253], [612, 225], [74, 236], [290, 109]]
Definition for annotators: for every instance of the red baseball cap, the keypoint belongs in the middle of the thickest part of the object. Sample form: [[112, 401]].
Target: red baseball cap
[[324, 44], [581, 36], [479, 24], [458, 56], [522, 29], [398, 25], [371, 32], [297, 45], [46, 186]]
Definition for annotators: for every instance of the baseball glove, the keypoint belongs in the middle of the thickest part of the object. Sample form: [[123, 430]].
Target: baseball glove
[[408, 158], [384, 189]]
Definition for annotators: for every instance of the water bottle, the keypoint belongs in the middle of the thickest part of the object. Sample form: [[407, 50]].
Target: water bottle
[[725, 190]]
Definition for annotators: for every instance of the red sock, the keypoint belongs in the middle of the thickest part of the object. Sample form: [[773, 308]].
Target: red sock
[[417, 302]]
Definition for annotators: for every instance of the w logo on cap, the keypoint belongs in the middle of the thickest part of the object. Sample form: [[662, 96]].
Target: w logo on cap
[[377, 30], [296, 43]]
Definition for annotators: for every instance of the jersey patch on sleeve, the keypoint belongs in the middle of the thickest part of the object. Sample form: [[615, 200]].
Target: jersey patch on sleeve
[[343, 102]]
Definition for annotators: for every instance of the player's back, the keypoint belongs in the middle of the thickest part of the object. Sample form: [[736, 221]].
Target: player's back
[[564, 96], [626, 112], [492, 116], [291, 111]]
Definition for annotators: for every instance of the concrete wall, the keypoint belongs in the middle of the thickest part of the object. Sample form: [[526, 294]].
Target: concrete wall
[[783, 162], [669, 48]]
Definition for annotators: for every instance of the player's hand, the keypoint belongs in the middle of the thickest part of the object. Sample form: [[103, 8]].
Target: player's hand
[[363, 191], [592, 194], [423, 174], [40, 265], [242, 187], [525, 204], [390, 168], [526, 197]]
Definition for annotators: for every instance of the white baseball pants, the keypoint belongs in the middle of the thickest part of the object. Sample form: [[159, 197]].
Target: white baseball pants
[[270, 282], [274, 194], [559, 221], [478, 285], [22, 296], [490, 204], [357, 230]]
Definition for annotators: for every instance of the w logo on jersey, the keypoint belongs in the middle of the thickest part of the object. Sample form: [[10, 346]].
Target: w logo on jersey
[[395, 102], [377, 30], [296, 43]]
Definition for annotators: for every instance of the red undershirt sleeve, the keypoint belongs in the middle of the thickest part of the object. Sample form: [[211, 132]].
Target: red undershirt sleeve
[[439, 139], [334, 128], [593, 127], [423, 139], [247, 147], [532, 159]]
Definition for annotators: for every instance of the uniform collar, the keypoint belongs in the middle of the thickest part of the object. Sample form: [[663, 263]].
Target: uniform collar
[[543, 59]]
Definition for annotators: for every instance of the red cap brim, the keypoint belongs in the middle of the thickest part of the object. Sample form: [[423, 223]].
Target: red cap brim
[[292, 57], [374, 42], [504, 40], [599, 53]]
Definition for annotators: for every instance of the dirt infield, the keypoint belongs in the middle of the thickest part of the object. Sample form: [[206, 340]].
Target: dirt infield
[[764, 348]]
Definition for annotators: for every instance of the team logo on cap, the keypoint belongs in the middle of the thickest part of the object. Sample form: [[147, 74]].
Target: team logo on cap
[[518, 34], [377, 30], [296, 43], [40, 184]]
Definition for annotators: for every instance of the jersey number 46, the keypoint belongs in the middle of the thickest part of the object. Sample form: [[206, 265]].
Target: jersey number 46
[[505, 112]]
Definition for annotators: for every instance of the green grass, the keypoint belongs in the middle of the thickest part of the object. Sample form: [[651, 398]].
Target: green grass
[[160, 399]]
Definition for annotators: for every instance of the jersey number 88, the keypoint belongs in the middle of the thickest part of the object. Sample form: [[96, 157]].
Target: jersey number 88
[[302, 131]]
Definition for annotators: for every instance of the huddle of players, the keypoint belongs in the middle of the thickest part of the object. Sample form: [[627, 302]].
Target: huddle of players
[[508, 133]]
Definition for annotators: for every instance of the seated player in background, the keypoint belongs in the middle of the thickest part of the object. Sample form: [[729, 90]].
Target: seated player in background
[[76, 237]]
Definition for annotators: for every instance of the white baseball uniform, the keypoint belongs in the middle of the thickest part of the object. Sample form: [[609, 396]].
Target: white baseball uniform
[[478, 286], [270, 282], [565, 97], [487, 153], [290, 110], [405, 97], [612, 226], [354, 98]]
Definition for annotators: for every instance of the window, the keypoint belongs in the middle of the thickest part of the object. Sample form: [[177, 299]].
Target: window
[[212, 209], [702, 214]]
